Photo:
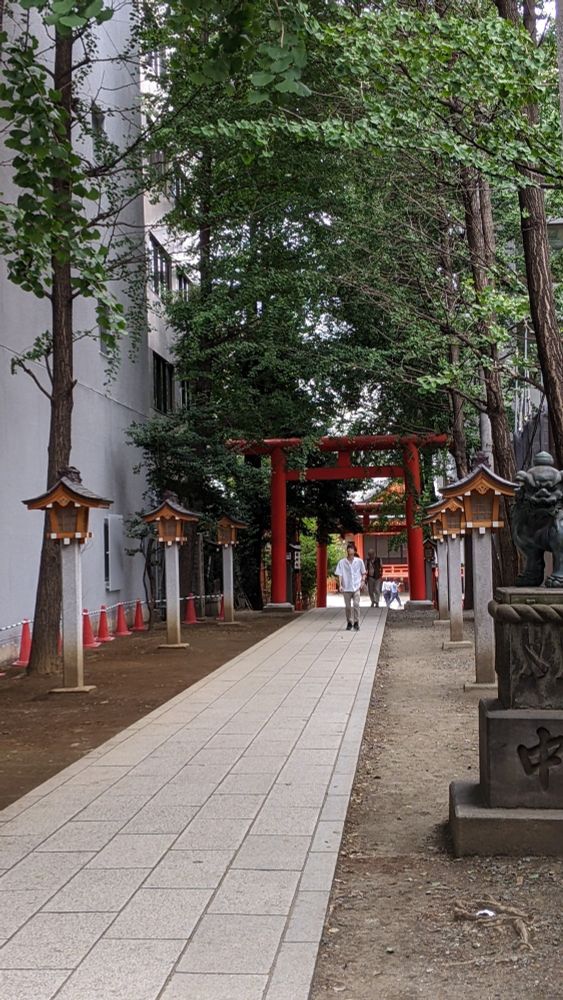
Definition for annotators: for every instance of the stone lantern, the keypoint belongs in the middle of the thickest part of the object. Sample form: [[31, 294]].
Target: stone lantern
[[434, 521], [171, 520], [481, 493], [227, 533], [67, 505], [448, 514]]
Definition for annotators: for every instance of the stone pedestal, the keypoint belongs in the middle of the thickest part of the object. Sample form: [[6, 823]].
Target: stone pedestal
[[520, 757], [478, 829], [517, 808], [529, 646]]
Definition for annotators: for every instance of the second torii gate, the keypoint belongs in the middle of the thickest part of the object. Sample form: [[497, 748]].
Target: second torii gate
[[276, 448]]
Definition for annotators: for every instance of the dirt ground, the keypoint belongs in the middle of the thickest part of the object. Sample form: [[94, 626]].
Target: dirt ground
[[392, 933], [40, 733]]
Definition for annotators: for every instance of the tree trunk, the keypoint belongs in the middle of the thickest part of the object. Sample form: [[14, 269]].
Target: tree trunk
[[46, 618], [481, 242], [459, 440], [533, 225]]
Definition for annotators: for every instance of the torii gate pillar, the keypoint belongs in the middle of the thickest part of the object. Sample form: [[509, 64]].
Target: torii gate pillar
[[322, 573], [279, 600], [415, 541]]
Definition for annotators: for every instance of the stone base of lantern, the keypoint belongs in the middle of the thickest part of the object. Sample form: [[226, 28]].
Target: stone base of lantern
[[419, 604], [173, 645], [474, 686], [83, 689], [284, 607], [450, 644], [229, 623], [484, 831], [442, 621]]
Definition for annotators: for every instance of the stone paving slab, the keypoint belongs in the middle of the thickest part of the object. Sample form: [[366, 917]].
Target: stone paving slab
[[191, 856]]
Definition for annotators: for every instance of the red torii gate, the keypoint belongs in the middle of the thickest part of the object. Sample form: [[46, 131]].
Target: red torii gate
[[344, 446]]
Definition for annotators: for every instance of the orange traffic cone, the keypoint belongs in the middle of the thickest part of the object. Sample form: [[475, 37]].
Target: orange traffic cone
[[139, 625], [121, 624], [25, 647], [88, 640], [221, 615], [190, 617], [103, 630]]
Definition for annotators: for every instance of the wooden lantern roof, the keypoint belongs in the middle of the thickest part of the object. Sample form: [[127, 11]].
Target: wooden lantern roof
[[480, 480], [67, 491], [68, 504], [481, 492], [171, 510], [447, 515], [227, 521]]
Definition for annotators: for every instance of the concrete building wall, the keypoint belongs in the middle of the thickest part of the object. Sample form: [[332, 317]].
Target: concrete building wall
[[103, 409]]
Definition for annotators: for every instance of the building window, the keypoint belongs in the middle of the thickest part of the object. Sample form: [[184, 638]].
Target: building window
[[183, 283], [161, 268], [156, 62], [179, 187], [163, 383], [98, 120], [184, 394], [157, 163], [113, 551]]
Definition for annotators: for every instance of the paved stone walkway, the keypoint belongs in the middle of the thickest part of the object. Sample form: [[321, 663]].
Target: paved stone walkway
[[191, 856]]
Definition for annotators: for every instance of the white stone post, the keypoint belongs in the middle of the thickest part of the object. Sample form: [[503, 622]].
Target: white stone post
[[482, 594], [228, 585], [428, 579], [442, 560], [455, 594], [73, 652], [172, 571]]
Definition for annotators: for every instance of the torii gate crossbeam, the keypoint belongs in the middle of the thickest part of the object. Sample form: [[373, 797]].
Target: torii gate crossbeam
[[276, 448]]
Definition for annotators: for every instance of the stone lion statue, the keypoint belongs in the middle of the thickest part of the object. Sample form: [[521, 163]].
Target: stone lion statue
[[537, 521]]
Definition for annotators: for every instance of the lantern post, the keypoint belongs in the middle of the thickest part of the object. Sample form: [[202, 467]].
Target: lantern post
[[480, 493], [227, 532], [435, 523], [429, 563], [171, 520], [68, 505], [452, 524]]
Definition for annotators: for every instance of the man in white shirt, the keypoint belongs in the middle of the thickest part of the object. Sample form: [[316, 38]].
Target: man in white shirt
[[351, 574]]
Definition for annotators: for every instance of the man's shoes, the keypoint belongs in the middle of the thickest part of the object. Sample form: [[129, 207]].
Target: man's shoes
[[349, 626], [357, 626]]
